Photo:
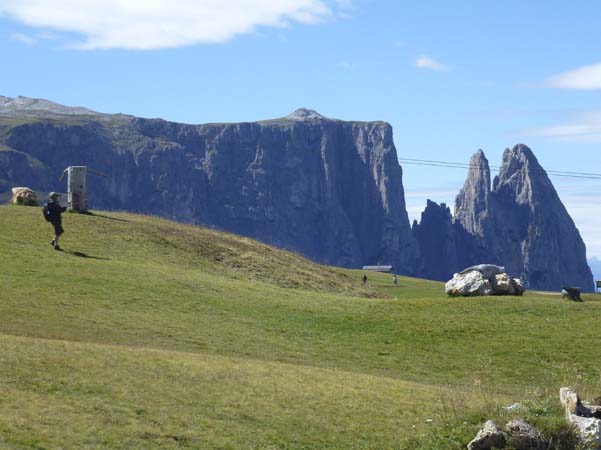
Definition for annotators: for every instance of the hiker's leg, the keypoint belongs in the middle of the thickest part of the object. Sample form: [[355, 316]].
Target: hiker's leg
[[58, 231]]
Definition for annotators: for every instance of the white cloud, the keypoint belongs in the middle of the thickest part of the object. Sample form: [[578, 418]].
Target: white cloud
[[345, 65], [583, 78], [345, 9], [23, 38], [427, 62], [153, 24], [583, 129]]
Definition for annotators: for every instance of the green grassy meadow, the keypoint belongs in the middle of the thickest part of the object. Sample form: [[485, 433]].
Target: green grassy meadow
[[148, 334]]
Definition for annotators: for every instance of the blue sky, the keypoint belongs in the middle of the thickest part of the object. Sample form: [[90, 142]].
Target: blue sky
[[451, 77]]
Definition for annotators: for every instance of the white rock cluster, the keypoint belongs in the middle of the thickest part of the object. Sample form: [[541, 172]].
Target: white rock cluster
[[584, 417], [24, 196], [519, 434], [471, 283]]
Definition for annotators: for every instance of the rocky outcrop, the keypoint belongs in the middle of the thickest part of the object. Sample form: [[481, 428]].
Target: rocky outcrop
[[470, 284], [531, 231], [329, 189], [24, 196], [484, 279], [437, 239], [584, 418], [503, 284], [489, 437], [519, 223], [523, 436], [518, 434], [444, 244], [472, 202]]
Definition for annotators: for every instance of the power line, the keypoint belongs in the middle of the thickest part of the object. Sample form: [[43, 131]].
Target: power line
[[455, 165]]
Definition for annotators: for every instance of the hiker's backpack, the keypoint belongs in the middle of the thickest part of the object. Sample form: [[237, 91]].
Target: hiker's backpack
[[49, 215]]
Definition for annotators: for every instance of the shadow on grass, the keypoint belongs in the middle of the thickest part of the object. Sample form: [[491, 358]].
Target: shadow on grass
[[84, 255], [102, 216]]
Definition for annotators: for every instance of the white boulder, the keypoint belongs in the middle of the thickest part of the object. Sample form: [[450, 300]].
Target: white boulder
[[579, 415], [474, 281], [468, 284], [589, 429], [24, 196]]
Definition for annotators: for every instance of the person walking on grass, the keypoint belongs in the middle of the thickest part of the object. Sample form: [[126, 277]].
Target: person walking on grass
[[395, 280], [52, 213], [364, 279]]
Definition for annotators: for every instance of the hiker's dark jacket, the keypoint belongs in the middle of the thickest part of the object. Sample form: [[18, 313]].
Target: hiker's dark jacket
[[55, 211]]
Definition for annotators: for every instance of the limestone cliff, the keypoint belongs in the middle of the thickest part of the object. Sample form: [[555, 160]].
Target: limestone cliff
[[520, 223], [472, 203], [531, 232], [329, 189]]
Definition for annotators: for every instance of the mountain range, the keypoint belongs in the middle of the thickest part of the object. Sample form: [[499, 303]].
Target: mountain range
[[517, 221], [329, 189]]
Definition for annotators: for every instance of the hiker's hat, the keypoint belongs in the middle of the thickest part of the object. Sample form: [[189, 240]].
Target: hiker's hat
[[54, 195]]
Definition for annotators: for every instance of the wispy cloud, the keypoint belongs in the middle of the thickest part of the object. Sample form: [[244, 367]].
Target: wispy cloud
[[427, 62], [583, 78], [346, 9], [139, 24], [346, 65], [23, 38], [584, 129]]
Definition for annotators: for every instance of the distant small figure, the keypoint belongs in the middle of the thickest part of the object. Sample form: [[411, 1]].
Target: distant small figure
[[52, 213], [364, 279], [395, 280]]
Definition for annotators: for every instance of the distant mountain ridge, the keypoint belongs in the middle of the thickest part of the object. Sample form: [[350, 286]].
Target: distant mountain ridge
[[24, 106]]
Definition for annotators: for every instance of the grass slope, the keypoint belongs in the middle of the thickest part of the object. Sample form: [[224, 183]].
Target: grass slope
[[145, 333]]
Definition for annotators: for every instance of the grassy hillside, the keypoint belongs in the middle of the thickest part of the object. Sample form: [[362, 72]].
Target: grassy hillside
[[144, 333]]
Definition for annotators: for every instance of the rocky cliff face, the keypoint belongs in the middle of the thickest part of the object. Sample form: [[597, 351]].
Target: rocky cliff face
[[531, 231], [520, 223], [472, 203], [329, 189]]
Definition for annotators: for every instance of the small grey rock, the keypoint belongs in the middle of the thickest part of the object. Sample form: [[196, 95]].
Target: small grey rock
[[524, 436], [490, 436]]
